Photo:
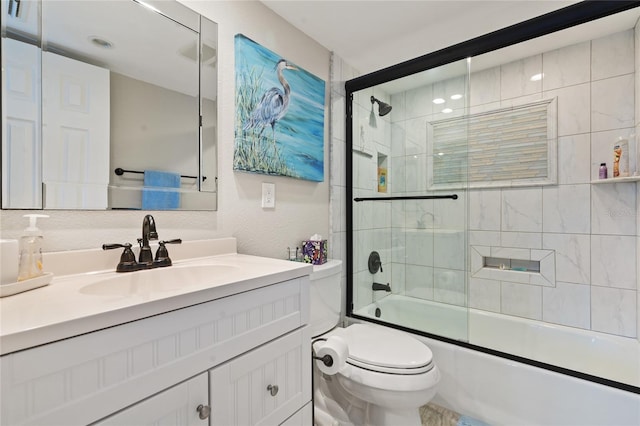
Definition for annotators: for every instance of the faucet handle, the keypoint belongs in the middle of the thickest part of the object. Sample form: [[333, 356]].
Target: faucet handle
[[162, 254], [127, 259]]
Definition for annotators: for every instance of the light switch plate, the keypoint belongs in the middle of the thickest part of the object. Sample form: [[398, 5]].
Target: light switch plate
[[268, 195]]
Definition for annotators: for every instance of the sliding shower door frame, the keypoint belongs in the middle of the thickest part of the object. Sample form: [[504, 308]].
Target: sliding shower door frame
[[561, 19]]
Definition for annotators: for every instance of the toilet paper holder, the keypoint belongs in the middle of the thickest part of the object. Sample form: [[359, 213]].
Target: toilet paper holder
[[326, 359]]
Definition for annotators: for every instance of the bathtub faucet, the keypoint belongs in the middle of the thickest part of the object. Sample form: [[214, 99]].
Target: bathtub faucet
[[377, 286]]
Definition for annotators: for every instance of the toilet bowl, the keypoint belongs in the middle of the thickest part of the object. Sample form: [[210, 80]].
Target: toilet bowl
[[387, 374]]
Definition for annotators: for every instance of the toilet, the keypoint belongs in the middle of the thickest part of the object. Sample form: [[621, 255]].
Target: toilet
[[388, 375]]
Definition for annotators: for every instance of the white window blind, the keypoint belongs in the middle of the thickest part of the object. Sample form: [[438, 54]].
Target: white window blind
[[513, 146]]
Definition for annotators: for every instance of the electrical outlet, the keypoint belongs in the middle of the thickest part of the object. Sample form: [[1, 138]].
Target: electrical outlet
[[268, 195]]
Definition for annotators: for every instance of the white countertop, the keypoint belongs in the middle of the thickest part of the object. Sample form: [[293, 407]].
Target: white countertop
[[85, 302]]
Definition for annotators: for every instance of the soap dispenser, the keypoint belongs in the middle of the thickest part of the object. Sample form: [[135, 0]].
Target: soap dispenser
[[30, 265]]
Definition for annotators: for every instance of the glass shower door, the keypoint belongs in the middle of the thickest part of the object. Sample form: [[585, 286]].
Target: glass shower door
[[409, 203]]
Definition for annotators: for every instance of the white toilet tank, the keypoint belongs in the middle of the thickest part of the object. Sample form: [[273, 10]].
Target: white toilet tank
[[326, 296]]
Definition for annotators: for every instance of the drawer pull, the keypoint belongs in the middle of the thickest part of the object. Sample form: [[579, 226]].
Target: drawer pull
[[203, 411], [273, 389]]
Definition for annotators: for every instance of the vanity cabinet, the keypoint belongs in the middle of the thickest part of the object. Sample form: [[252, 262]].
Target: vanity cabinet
[[246, 356], [174, 406]]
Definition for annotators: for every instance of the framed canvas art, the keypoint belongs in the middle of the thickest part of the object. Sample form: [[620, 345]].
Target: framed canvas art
[[279, 128]]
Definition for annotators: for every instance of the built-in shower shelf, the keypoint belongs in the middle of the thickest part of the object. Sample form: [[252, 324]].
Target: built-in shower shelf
[[617, 180]]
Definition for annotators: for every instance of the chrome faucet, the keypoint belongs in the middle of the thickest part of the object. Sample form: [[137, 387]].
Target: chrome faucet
[[148, 233]]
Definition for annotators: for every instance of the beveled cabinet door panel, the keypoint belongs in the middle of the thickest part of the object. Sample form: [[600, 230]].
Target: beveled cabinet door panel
[[175, 406], [21, 174], [265, 386]]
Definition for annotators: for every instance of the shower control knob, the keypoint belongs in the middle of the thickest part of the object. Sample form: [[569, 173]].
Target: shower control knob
[[374, 263]]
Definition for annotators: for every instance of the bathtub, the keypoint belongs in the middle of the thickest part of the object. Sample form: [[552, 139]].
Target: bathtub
[[599, 354], [501, 391]]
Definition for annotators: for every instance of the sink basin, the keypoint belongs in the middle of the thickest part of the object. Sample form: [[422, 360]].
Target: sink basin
[[158, 280]]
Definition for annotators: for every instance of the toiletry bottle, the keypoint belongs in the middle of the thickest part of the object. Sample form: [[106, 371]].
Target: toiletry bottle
[[621, 158], [30, 265], [602, 172]]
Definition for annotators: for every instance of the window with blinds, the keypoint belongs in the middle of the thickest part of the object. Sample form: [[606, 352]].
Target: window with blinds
[[514, 146]]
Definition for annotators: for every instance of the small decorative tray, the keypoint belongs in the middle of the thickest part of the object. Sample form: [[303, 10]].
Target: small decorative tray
[[20, 286]]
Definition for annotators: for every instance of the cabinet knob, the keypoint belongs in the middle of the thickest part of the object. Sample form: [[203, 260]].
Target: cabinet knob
[[273, 389], [203, 411]]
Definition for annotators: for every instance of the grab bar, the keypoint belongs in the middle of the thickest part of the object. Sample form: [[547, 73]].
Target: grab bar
[[408, 197]]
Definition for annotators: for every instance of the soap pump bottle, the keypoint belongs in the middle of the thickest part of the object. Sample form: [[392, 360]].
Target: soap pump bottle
[[30, 265]]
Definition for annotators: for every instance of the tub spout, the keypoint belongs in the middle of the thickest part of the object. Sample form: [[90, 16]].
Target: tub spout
[[377, 286]]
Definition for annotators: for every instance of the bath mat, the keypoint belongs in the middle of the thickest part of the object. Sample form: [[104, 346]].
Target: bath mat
[[435, 415]]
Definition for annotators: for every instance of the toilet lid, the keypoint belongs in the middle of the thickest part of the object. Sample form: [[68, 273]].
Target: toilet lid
[[383, 350]]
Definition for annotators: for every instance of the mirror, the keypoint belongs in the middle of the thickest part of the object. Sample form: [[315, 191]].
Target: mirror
[[108, 105]]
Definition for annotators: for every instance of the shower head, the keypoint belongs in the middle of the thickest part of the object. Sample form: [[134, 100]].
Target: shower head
[[383, 108]]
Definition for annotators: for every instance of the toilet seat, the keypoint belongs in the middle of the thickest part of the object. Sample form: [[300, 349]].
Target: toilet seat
[[386, 351]]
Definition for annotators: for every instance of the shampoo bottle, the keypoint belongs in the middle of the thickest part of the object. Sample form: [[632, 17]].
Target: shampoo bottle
[[30, 265]]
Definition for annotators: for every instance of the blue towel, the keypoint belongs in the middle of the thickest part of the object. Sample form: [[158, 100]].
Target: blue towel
[[159, 191]]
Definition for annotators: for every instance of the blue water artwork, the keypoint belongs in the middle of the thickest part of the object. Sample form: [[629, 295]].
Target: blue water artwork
[[279, 128]]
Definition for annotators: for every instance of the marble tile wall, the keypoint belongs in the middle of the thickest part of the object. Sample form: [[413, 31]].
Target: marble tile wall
[[593, 230]]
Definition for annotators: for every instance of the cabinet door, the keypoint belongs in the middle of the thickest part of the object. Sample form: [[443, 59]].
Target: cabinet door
[[264, 386], [183, 404], [304, 417]]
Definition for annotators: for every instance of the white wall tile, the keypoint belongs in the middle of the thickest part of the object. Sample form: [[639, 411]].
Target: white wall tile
[[399, 110], [573, 256], [338, 216], [484, 238], [516, 77], [398, 246], [613, 209], [484, 209], [419, 281], [398, 139], [484, 294], [574, 159], [419, 102], [612, 103], [613, 261], [397, 176], [522, 300], [564, 208], [451, 214], [574, 111], [613, 311], [522, 210], [419, 248], [531, 240], [485, 86], [612, 55], [449, 286], [416, 173], [567, 304], [416, 136], [448, 250], [398, 278], [567, 66]]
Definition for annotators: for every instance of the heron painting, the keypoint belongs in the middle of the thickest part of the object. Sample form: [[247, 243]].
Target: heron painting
[[279, 128]]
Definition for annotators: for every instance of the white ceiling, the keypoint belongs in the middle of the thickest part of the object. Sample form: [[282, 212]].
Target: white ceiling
[[374, 34]]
